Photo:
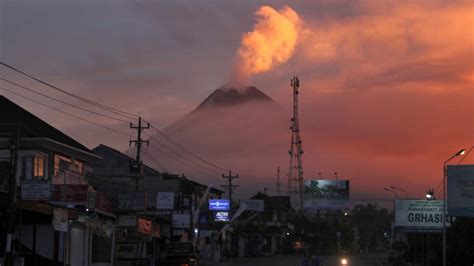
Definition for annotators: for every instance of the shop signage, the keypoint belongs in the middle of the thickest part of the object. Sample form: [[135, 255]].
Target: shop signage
[[165, 201], [35, 190], [70, 194], [127, 220], [222, 216], [219, 204], [126, 250], [256, 205], [144, 226], [181, 220], [60, 219]]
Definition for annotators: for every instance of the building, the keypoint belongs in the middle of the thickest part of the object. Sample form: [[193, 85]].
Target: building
[[59, 217]]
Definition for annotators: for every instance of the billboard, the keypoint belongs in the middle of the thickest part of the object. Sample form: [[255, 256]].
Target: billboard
[[219, 204], [419, 215], [460, 190], [326, 194], [70, 194]]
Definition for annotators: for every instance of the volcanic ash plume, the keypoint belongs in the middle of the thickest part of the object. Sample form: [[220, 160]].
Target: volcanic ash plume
[[271, 43]]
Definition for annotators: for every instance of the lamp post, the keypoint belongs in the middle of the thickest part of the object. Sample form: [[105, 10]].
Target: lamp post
[[461, 152], [400, 189], [393, 225]]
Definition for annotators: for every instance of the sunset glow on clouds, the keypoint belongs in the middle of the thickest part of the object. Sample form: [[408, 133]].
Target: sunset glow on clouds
[[387, 87]]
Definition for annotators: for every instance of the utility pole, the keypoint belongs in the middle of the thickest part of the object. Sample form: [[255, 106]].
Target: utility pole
[[12, 187], [230, 187], [137, 166], [278, 184], [295, 171]]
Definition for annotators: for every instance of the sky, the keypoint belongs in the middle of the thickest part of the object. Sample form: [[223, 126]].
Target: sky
[[386, 86]]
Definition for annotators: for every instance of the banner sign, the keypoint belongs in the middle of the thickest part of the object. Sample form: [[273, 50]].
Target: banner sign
[[104, 203], [165, 201], [460, 190], [144, 226], [70, 194], [35, 190], [131, 201], [326, 194], [255, 205], [219, 204], [419, 215], [60, 219], [222, 216]]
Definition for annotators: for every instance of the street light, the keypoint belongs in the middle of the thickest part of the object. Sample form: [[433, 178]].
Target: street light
[[401, 189], [430, 194], [461, 152]]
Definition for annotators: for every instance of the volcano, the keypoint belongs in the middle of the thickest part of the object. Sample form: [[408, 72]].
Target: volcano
[[238, 128], [229, 96]]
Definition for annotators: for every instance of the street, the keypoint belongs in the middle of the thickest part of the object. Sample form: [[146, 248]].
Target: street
[[292, 260]]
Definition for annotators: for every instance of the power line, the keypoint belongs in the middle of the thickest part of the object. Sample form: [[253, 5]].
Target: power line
[[64, 112], [153, 160], [63, 102], [181, 156], [188, 151], [110, 109]]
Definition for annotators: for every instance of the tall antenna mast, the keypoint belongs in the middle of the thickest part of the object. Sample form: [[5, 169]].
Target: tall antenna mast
[[278, 184], [295, 172]]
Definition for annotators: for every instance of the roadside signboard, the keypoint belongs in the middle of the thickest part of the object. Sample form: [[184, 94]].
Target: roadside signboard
[[181, 220], [165, 201], [219, 204], [326, 194], [460, 190], [419, 215], [35, 190], [256, 205]]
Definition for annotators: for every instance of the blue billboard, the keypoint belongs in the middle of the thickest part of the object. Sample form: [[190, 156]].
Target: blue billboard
[[219, 204]]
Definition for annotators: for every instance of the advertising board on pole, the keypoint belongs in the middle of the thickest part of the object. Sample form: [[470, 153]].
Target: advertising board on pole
[[326, 194], [165, 201], [219, 204], [419, 215], [460, 190]]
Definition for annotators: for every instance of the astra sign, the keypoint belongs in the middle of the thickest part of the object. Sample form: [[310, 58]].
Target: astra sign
[[219, 204]]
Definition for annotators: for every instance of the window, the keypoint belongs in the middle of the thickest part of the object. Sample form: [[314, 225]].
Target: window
[[39, 167]]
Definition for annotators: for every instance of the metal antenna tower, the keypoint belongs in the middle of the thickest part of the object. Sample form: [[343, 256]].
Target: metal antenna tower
[[278, 184], [295, 172]]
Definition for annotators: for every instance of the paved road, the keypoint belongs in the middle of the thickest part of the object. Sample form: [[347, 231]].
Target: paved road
[[291, 260]]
